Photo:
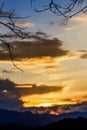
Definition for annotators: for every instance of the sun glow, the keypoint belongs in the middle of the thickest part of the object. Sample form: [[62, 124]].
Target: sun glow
[[45, 104], [43, 101]]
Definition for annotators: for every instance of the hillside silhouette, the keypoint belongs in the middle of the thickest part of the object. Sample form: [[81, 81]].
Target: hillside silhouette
[[69, 123], [13, 120]]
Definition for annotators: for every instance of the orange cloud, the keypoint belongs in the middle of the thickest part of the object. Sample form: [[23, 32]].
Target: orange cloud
[[82, 18], [24, 24]]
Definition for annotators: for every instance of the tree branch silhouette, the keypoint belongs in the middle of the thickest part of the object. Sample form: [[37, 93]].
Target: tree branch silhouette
[[72, 8], [8, 20], [10, 54]]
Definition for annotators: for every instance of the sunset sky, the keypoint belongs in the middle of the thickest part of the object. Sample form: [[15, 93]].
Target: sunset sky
[[54, 62]]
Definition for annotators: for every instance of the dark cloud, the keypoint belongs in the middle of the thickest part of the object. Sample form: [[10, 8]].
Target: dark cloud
[[4, 53], [84, 56], [9, 97], [37, 47], [52, 23], [68, 100], [41, 34], [6, 71], [34, 89], [51, 67], [38, 89], [7, 35], [7, 14], [83, 53], [10, 94], [82, 106]]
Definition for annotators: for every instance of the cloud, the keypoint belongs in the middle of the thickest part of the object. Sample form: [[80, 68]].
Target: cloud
[[24, 24], [82, 54], [41, 34], [68, 105], [4, 55], [76, 23], [37, 47], [81, 19], [59, 109], [7, 35], [9, 98], [11, 94], [70, 28], [7, 14], [52, 23], [6, 71], [42, 89], [75, 107], [52, 67], [81, 51]]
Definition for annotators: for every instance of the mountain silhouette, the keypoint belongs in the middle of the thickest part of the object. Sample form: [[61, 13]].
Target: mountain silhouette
[[27, 120], [66, 124]]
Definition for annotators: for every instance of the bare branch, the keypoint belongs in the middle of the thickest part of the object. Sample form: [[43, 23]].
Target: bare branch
[[10, 24], [10, 54], [72, 8]]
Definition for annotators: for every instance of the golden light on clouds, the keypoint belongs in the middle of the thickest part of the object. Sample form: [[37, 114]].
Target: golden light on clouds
[[47, 100], [38, 100], [66, 96], [73, 92]]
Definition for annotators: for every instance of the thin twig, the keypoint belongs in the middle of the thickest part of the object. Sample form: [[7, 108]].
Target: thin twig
[[10, 54]]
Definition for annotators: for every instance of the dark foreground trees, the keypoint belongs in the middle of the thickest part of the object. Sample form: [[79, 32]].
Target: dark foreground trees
[[66, 124]]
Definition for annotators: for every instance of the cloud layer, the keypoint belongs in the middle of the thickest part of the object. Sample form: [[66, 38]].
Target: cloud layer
[[10, 95], [35, 47], [9, 98], [59, 109]]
